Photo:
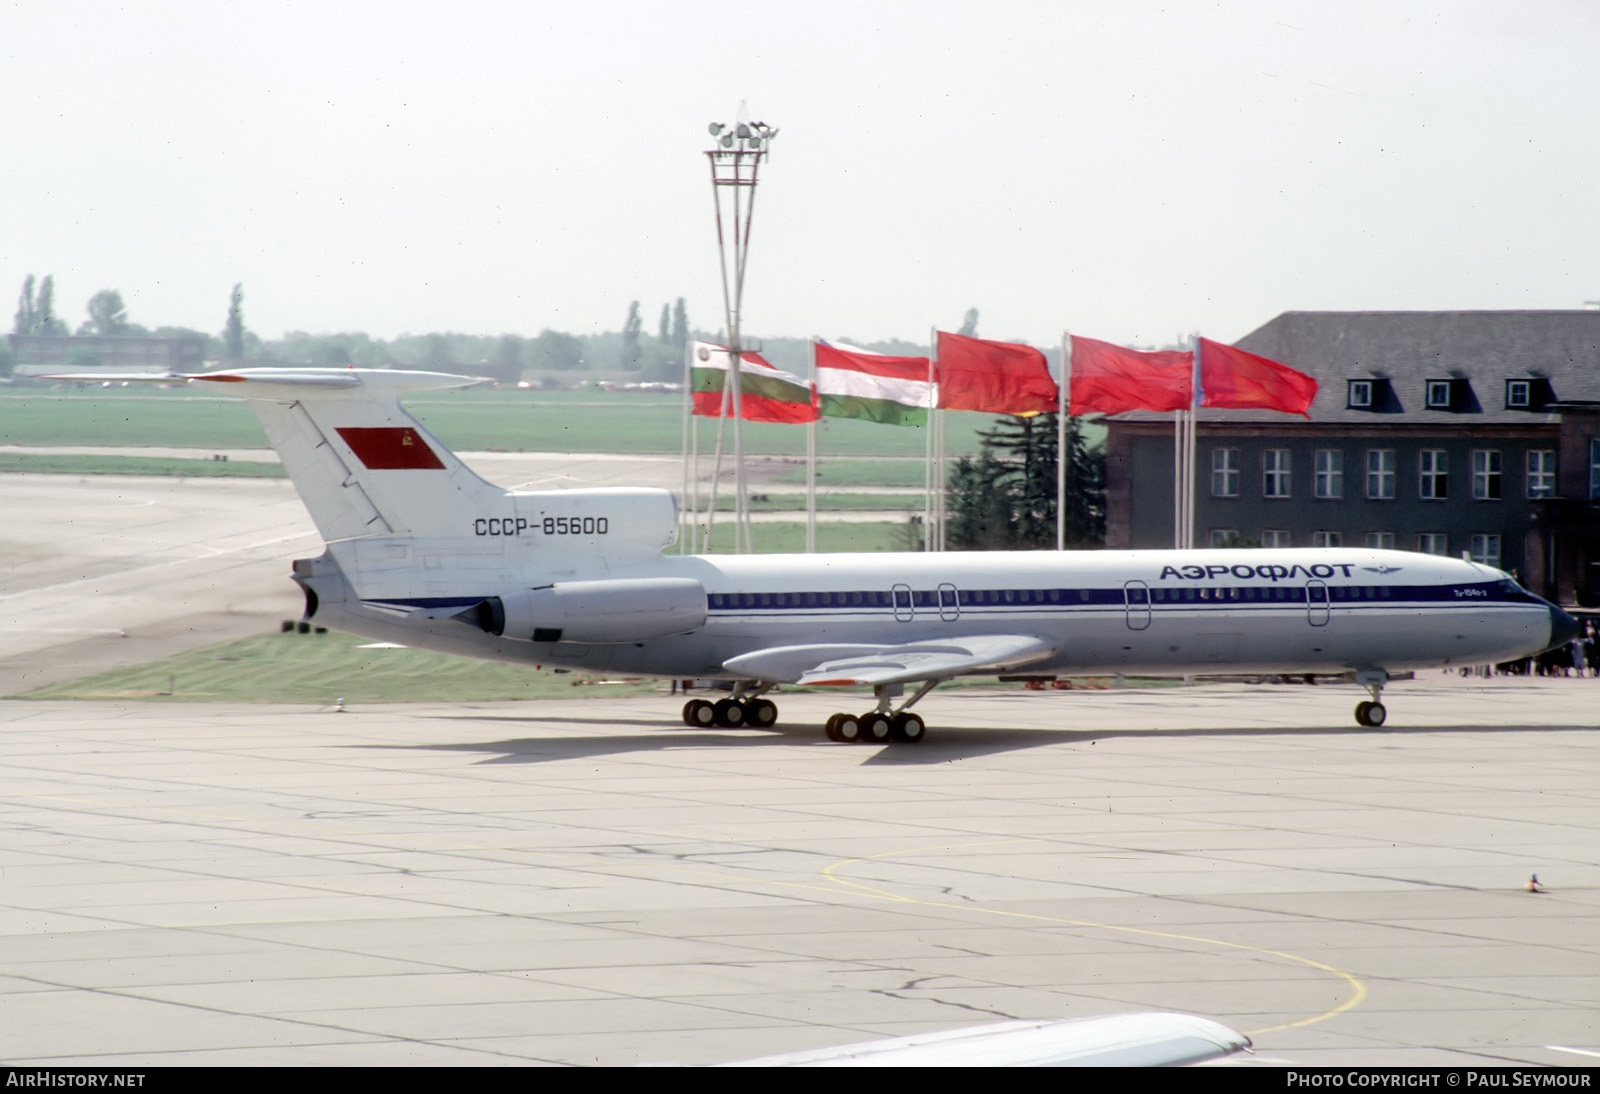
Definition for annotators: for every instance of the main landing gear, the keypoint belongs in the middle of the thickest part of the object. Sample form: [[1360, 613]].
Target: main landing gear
[[882, 724], [1371, 714], [730, 713]]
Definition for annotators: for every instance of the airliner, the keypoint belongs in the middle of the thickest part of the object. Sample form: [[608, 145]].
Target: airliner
[[422, 551]]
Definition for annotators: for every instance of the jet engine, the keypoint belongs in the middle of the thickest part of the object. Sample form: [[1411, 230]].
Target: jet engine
[[598, 612]]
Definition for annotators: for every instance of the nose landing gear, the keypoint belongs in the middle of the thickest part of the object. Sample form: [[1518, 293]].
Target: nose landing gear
[[1371, 714]]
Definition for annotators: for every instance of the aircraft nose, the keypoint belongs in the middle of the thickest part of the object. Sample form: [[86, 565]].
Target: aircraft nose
[[1563, 628]]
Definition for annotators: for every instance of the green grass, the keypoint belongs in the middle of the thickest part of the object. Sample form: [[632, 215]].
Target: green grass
[[322, 668], [789, 538], [827, 501], [832, 473], [42, 463], [583, 421]]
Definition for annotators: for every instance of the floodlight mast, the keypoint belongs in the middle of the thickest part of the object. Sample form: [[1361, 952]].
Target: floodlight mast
[[735, 160]]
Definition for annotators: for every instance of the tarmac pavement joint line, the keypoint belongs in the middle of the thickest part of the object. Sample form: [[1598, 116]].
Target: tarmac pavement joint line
[[1358, 989]]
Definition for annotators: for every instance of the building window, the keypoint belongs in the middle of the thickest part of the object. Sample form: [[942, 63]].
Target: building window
[[1225, 537], [1327, 539], [1275, 473], [1329, 480], [1439, 394], [1274, 537], [1380, 474], [1486, 549], [1224, 472], [1433, 474], [1486, 474], [1380, 541], [1519, 394], [1541, 473], [1358, 394], [1433, 543]]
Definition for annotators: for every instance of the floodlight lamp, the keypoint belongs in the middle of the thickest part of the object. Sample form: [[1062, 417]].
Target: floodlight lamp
[[716, 128], [727, 140], [743, 132]]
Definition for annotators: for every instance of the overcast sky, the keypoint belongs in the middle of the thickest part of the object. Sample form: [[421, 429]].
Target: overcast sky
[[1127, 170]]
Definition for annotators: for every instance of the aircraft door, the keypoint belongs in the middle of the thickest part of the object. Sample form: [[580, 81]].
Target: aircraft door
[[949, 603], [1136, 601], [904, 603], [1317, 609]]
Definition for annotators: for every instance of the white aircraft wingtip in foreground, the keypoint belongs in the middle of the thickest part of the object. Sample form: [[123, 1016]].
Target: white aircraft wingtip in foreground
[[422, 551], [1113, 1040]]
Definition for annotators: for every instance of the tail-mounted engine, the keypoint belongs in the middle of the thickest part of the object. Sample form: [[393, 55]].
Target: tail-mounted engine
[[601, 612]]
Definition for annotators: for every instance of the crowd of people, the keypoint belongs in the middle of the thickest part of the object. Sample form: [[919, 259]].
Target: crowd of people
[[1579, 657]]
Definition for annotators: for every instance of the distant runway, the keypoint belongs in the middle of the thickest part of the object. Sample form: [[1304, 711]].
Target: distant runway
[[586, 883]]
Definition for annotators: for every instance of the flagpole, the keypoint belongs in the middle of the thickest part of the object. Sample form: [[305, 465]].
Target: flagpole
[[1061, 442], [811, 462], [1178, 479], [927, 445], [688, 418], [716, 470], [1192, 482]]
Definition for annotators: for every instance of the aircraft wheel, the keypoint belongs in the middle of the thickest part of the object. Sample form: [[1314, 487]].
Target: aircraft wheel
[[907, 728], [699, 713], [729, 714], [844, 728], [1370, 714], [875, 728], [761, 713]]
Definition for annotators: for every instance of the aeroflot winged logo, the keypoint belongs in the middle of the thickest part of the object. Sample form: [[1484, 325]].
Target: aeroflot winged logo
[[391, 448]]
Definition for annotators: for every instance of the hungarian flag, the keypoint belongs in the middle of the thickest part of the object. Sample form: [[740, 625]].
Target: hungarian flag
[[1236, 380], [1108, 379], [765, 393], [994, 377], [873, 386]]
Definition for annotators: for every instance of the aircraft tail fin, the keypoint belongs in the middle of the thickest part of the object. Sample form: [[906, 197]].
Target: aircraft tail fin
[[362, 464]]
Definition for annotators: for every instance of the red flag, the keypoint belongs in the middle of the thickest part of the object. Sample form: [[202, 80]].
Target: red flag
[[1108, 379], [994, 377], [1236, 380]]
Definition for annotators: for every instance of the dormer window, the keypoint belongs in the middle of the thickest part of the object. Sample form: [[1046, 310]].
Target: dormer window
[[1358, 394], [1519, 394], [1439, 393]]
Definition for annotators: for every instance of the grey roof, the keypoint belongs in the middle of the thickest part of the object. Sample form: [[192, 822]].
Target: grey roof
[[1408, 348]]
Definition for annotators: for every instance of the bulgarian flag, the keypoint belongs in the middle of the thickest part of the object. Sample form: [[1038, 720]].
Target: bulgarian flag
[[765, 393], [873, 386]]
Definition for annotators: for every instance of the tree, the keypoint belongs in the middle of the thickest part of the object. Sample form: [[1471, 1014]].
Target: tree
[[506, 363], [27, 314], [680, 327], [1006, 498], [233, 333], [664, 332], [107, 313], [969, 325], [44, 312], [553, 351], [632, 339]]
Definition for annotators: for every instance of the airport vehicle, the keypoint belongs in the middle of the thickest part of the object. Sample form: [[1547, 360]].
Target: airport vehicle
[[424, 552]]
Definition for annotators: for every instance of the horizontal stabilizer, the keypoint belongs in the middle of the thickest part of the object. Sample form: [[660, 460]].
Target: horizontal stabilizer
[[1113, 1040], [855, 665]]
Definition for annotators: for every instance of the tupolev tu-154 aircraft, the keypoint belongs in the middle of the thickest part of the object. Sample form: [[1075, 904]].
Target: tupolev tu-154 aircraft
[[424, 552]]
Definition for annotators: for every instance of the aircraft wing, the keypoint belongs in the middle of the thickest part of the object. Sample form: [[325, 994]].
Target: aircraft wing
[[857, 665], [1113, 1040]]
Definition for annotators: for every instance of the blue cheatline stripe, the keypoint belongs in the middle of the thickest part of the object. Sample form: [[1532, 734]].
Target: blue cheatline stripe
[[1483, 594]]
